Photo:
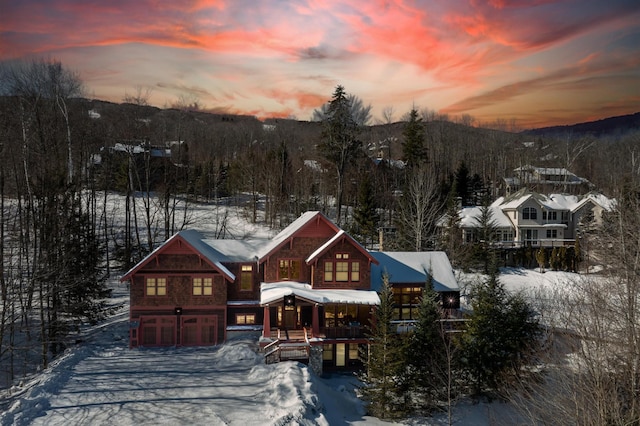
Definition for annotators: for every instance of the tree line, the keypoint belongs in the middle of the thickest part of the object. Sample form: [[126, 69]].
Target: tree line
[[60, 170]]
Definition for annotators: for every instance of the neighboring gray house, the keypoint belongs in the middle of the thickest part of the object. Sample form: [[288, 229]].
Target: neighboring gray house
[[528, 218]]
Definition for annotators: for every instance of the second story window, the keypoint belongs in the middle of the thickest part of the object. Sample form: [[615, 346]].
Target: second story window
[[246, 278], [342, 269], [530, 213], [202, 286], [289, 269], [549, 215], [156, 287]]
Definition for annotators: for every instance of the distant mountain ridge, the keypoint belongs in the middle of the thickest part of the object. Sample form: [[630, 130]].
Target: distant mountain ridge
[[606, 127]]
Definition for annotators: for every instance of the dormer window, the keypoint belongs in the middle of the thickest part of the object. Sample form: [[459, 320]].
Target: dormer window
[[530, 213]]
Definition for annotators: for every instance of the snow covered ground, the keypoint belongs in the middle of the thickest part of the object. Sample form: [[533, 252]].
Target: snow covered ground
[[101, 381]]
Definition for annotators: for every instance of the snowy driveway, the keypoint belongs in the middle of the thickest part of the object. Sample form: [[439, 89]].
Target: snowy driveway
[[102, 381]]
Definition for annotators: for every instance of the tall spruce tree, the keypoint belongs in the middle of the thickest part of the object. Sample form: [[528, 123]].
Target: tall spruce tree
[[365, 214], [501, 334], [427, 353], [384, 363], [413, 149], [340, 144]]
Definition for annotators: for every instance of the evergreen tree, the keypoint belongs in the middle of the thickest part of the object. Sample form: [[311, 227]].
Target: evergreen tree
[[365, 214], [413, 148], [427, 353], [577, 253], [384, 364], [501, 334], [541, 257], [487, 228], [339, 140], [462, 183], [451, 238]]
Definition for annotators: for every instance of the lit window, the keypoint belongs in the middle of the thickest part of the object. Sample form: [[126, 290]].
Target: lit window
[[245, 319], [289, 269], [202, 286], [246, 278], [355, 271], [328, 271], [156, 286], [342, 271]]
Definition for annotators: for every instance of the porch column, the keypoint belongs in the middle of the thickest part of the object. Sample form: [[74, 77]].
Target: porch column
[[266, 323], [315, 321]]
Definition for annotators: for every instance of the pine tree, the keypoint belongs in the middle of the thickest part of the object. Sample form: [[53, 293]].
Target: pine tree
[[384, 364], [501, 334], [541, 257], [365, 215], [427, 353], [339, 140], [413, 148]]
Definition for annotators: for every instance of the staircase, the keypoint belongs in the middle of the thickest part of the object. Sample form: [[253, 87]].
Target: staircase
[[288, 347]]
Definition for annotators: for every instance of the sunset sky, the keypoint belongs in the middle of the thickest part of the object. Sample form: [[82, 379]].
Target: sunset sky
[[539, 62]]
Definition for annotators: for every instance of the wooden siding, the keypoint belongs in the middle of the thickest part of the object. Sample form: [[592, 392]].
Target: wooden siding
[[179, 291], [354, 254], [299, 249], [233, 289]]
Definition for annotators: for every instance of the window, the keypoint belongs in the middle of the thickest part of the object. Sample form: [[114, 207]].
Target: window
[[549, 215], [202, 286], [327, 352], [355, 271], [405, 302], [342, 269], [530, 213], [531, 234], [156, 287], [552, 233], [328, 271], [245, 319], [246, 278], [289, 269]]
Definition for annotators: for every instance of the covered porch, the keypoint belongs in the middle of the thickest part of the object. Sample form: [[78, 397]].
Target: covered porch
[[296, 312]]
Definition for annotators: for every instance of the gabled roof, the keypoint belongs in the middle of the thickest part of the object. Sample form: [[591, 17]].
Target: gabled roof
[[413, 268], [469, 217], [290, 231], [273, 292], [556, 202], [340, 236], [192, 239]]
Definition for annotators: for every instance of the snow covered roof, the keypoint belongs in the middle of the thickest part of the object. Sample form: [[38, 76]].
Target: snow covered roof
[[272, 292], [469, 217], [413, 268], [332, 241], [194, 239], [555, 201], [290, 230]]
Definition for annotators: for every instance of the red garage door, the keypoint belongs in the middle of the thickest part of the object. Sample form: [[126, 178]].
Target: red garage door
[[199, 330], [158, 331]]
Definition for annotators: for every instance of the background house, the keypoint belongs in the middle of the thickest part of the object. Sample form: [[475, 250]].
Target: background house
[[527, 218]]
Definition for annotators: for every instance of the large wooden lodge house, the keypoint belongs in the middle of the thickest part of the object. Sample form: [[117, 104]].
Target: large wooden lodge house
[[309, 290]]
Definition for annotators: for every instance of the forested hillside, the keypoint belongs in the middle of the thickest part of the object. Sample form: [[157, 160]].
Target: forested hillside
[[63, 156]]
